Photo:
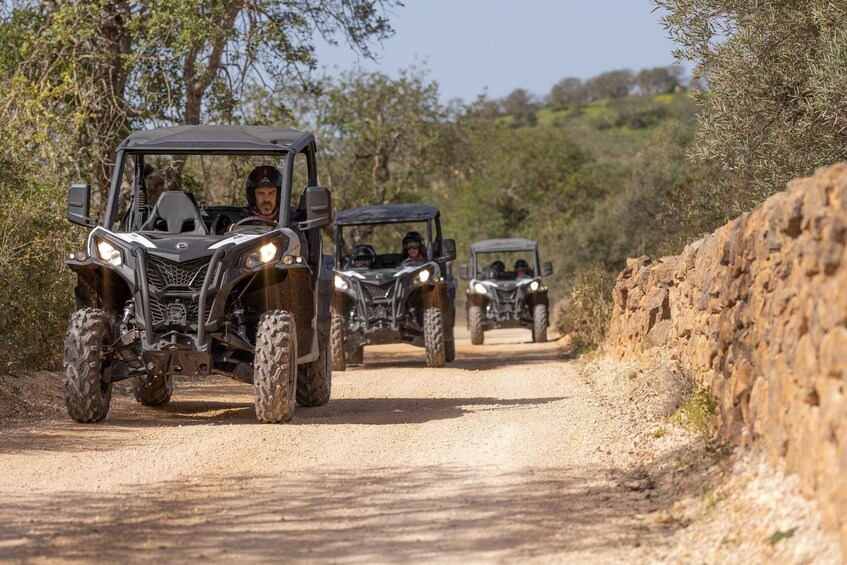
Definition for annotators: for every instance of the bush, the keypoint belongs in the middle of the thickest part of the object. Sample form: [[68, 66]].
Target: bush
[[585, 315], [36, 296]]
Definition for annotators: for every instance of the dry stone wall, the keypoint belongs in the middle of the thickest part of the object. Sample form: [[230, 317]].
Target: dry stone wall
[[757, 311]]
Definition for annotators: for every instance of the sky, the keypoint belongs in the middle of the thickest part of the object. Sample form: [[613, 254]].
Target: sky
[[496, 46]]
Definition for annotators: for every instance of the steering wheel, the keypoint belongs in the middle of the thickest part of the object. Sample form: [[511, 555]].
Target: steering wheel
[[251, 220]]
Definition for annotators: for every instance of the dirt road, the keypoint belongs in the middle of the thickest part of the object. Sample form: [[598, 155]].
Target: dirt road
[[506, 455]]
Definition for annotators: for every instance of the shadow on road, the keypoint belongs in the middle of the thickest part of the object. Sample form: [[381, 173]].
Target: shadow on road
[[360, 515], [479, 358]]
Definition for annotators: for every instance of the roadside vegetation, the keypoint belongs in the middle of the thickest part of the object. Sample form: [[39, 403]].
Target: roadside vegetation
[[627, 163]]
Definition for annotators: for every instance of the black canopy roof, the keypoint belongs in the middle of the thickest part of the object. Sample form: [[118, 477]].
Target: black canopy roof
[[258, 139], [385, 214], [504, 244]]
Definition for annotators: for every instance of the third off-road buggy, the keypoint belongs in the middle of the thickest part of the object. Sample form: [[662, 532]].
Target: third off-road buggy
[[501, 297], [381, 295], [198, 283]]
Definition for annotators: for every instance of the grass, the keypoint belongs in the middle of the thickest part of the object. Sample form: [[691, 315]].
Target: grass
[[698, 411], [780, 535]]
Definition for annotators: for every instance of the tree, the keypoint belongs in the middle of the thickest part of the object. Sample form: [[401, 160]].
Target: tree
[[611, 84], [380, 136], [520, 106], [87, 72], [659, 80], [566, 92], [776, 75]]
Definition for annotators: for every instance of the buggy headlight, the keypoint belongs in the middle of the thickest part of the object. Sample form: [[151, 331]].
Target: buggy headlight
[[340, 283], [109, 253], [480, 288], [533, 286], [265, 254], [424, 275]]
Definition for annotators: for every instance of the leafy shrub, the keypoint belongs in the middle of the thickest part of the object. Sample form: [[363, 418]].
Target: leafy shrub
[[586, 314], [36, 294]]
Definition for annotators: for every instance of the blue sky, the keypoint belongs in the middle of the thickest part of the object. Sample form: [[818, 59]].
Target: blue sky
[[499, 45]]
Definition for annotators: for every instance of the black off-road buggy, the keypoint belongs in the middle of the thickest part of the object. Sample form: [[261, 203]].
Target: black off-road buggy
[[186, 289], [501, 298], [380, 296]]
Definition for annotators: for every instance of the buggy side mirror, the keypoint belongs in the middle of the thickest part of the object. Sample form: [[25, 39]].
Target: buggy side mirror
[[546, 269], [79, 204], [463, 272], [318, 203], [448, 249]]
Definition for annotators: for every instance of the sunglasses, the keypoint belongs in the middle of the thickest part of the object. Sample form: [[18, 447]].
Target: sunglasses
[[413, 246]]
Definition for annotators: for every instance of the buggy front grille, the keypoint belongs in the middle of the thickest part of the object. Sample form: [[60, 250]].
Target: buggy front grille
[[164, 274], [176, 311], [378, 292]]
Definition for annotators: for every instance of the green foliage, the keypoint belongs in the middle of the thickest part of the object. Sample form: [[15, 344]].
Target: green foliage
[[36, 296], [585, 315], [777, 74], [698, 411]]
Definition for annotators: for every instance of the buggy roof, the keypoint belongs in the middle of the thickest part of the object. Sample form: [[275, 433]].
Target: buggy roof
[[385, 214], [213, 138], [503, 244]]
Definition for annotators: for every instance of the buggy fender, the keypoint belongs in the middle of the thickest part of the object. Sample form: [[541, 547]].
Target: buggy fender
[[100, 285]]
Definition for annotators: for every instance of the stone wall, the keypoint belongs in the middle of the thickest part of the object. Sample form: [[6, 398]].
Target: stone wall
[[757, 311]]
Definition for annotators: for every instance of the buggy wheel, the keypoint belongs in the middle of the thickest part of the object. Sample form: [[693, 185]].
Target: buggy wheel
[[87, 395], [275, 367], [450, 349], [357, 356], [314, 381], [153, 390], [336, 340], [475, 325], [539, 323], [436, 355]]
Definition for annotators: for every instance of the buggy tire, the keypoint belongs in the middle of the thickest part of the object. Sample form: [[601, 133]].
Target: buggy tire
[[539, 323], [475, 325], [275, 367], [450, 349], [336, 340], [153, 390], [87, 396], [436, 354], [357, 356], [314, 381]]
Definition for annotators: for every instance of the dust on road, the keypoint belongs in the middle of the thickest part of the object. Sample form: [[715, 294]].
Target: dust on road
[[504, 455]]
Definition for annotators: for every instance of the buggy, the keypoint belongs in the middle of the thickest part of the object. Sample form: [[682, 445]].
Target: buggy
[[501, 298], [381, 295], [181, 288]]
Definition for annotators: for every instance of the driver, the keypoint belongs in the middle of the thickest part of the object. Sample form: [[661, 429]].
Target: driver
[[263, 188], [521, 268], [414, 248], [363, 257]]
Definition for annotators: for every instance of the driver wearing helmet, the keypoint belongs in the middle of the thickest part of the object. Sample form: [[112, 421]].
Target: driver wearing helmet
[[263, 188], [363, 257], [497, 269], [414, 249], [521, 269]]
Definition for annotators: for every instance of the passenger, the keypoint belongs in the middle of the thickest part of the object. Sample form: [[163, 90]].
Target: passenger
[[522, 269], [414, 250]]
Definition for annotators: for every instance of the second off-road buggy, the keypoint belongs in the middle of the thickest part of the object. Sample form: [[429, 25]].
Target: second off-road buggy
[[381, 296], [498, 297], [186, 289]]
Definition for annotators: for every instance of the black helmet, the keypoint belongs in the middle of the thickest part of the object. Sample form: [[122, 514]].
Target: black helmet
[[264, 175], [413, 236], [498, 266], [521, 264], [363, 256]]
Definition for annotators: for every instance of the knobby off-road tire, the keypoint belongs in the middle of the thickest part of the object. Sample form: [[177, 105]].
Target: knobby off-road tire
[[153, 390], [336, 343], [450, 350], [87, 397], [314, 381], [275, 367], [539, 323], [475, 325], [436, 354], [357, 356]]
